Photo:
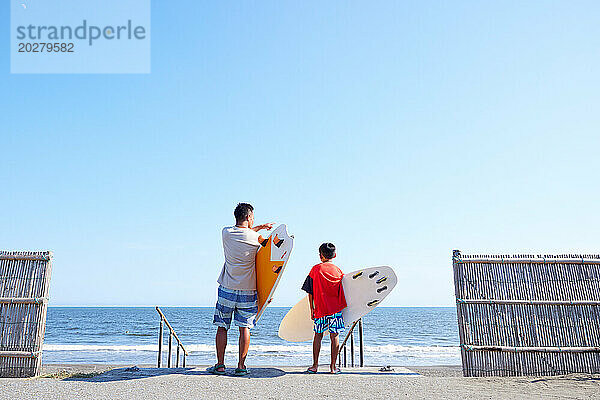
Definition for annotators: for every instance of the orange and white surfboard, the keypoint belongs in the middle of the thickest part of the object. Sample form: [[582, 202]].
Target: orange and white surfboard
[[270, 264]]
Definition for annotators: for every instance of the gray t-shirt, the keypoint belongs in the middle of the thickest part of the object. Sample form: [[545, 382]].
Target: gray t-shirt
[[240, 246]]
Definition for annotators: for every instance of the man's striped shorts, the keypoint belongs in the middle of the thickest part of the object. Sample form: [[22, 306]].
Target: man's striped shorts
[[242, 305]]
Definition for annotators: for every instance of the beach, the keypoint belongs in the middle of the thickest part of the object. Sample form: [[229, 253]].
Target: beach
[[123, 341], [142, 382]]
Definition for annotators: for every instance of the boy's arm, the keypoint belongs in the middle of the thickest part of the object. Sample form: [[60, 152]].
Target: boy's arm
[[308, 288], [312, 306]]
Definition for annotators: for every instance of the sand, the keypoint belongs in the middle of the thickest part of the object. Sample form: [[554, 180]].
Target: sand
[[145, 382]]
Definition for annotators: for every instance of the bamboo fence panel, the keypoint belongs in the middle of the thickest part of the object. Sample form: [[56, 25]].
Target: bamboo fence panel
[[24, 284], [528, 314]]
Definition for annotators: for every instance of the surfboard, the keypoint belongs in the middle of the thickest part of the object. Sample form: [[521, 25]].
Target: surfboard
[[365, 289], [271, 260]]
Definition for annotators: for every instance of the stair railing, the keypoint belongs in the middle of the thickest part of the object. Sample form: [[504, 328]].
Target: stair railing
[[171, 335], [343, 346]]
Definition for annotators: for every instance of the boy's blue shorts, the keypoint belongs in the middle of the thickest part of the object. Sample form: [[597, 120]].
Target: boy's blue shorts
[[242, 305], [335, 323]]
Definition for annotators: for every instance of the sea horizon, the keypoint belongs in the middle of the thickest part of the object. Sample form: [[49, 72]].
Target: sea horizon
[[209, 306]]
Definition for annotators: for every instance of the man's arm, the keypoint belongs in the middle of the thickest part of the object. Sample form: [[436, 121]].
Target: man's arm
[[266, 226], [312, 306]]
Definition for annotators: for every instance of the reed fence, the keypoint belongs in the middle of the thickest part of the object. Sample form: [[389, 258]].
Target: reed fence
[[528, 314], [24, 283]]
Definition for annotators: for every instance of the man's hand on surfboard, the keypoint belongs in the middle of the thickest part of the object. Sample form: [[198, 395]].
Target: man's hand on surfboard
[[268, 226]]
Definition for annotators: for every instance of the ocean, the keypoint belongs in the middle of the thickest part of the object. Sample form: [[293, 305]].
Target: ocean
[[129, 335]]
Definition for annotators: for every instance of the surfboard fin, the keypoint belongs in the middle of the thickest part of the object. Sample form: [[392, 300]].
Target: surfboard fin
[[381, 289], [277, 242], [264, 242], [372, 303], [357, 275], [277, 269], [374, 274], [380, 280]]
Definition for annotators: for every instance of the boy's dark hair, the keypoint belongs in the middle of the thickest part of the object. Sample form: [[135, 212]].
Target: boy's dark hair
[[327, 250], [242, 211]]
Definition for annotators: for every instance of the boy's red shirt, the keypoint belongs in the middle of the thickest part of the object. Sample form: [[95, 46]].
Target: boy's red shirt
[[328, 292]]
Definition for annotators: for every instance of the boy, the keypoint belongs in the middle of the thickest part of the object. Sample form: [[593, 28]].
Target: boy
[[326, 298]]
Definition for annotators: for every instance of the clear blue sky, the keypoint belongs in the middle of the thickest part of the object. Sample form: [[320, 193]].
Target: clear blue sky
[[397, 130]]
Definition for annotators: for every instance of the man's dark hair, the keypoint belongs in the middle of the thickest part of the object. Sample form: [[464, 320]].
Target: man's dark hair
[[242, 211], [327, 250]]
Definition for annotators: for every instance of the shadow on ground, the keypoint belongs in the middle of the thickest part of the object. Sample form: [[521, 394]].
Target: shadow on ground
[[130, 373], [570, 377], [361, 373]]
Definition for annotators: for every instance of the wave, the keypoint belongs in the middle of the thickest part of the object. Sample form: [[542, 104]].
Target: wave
[[99, 347], [398, 350], [194, 348], [422, 351]]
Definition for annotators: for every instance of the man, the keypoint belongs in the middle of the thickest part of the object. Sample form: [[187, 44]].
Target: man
[[237, 295]]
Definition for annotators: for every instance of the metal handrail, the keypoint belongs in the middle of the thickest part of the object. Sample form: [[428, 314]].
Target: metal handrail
[[350, 335], [171, 335]]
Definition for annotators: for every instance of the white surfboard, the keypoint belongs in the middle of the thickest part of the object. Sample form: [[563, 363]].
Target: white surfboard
[[364, 290]]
